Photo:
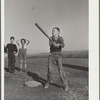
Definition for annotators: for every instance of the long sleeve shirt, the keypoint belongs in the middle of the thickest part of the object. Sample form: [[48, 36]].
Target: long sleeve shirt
[[60, 41], [11, 48]]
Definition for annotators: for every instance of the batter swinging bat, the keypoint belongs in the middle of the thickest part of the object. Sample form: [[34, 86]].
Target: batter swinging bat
[[43, 32]]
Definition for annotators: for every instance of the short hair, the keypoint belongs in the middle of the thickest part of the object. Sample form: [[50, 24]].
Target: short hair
[[12, 38], [56, 28], [22, 40]]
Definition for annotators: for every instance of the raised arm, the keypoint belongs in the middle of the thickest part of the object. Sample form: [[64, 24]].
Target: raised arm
[[18, 42], [27, 41]]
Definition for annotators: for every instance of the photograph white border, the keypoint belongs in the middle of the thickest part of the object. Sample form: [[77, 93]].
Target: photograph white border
[[2, 49], [93, 49]]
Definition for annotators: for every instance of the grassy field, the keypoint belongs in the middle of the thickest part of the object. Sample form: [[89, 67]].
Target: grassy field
[[77, 75]]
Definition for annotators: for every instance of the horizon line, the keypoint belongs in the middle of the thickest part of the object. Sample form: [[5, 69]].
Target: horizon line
[[48, 52]]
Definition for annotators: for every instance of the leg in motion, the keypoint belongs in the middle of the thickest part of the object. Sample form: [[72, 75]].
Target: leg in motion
[[50, 71], [62, 73]]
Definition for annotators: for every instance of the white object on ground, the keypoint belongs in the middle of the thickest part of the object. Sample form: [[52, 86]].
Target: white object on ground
[[32, 84]]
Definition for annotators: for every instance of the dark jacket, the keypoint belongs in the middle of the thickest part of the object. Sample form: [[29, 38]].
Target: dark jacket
[[60, 41], [11, 48]]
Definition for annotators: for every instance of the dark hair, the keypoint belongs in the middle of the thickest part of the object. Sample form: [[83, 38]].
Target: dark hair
[[12, 38], [22, 40], [56, 28]]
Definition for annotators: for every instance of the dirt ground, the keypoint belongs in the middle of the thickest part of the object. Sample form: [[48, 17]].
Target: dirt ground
[[77, 75]]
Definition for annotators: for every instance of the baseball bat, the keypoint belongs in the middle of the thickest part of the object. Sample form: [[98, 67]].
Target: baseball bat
[[39, 27]]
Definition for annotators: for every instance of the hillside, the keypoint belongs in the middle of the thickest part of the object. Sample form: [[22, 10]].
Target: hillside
[[66, 54]]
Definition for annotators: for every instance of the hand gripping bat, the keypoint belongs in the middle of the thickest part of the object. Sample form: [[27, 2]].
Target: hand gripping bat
[[38, 26]]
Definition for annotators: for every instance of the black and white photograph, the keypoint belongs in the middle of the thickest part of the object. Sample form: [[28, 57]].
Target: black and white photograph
[[46, 50]]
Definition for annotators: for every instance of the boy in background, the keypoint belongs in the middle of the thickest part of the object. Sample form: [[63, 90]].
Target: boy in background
[[11, 50], [22, 54], [55, 55]]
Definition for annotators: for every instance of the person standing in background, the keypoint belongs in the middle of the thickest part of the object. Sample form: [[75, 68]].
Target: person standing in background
[[11, 50], [22, 54]]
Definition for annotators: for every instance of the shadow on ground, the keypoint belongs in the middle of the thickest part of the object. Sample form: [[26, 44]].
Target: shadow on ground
[[36, 77], [76, 67], [41, 80], [18, 69], [7, 69]]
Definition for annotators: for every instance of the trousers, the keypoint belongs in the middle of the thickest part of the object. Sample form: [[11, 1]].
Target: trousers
[[58, 59], [11, 62]]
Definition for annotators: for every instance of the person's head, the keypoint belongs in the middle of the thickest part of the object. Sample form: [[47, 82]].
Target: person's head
[[12, 39], [55, 31], [23, 41]]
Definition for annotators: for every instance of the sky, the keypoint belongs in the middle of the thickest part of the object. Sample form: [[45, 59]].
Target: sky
[[71, 16]]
